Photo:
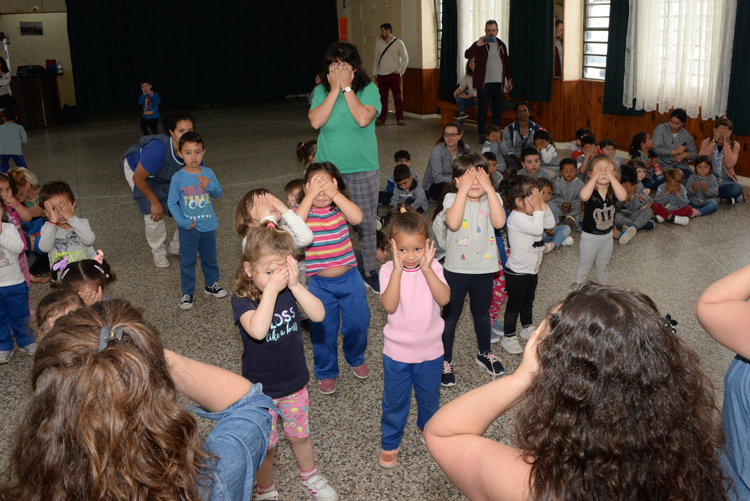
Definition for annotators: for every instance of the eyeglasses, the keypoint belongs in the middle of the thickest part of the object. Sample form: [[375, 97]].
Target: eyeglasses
[[451, 134]]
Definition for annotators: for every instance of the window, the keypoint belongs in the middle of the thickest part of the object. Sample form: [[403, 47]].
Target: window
[[595, 36], [439, 21]]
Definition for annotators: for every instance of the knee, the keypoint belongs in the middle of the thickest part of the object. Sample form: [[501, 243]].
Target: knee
[[564, 230]]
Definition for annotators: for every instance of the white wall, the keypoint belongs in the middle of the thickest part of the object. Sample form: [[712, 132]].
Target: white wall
[[8, 6]]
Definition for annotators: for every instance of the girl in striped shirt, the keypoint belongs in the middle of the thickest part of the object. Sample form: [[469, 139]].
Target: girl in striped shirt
[[332, 268]]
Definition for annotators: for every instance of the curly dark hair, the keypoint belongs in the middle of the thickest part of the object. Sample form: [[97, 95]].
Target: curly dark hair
[[620, 408], [104, 424]]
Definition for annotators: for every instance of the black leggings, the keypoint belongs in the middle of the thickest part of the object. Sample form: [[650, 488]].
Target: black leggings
[[149, 122], [479, 288], [521, 290]]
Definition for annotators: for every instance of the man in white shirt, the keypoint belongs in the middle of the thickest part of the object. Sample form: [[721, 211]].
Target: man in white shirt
[[390, 63]]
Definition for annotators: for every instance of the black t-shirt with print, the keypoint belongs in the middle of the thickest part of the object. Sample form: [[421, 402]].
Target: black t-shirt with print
[[598, 214]]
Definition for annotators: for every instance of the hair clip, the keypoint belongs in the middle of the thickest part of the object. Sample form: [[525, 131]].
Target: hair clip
[[61, 264], [403, 210], [670, 323], [99, 257], [271, 225], [101, 269], [106, 336], [303, 145]]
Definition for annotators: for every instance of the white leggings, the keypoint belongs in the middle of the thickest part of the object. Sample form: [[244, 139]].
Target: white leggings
[[594, 249]]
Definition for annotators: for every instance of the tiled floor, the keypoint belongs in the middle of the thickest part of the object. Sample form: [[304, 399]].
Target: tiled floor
[[253, 146]]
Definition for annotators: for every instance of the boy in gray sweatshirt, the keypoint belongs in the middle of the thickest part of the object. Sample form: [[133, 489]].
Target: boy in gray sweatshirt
[[567, 194], [671, 202], [635, 213]]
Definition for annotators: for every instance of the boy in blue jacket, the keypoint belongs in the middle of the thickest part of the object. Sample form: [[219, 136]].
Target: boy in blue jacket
[[149, 101]]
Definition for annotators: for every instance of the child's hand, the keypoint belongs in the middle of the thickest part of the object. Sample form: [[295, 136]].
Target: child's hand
[[541, 144], [276, 203], [566, 207], [589, 150], [641, 198], [610, 169], [696, 185], [332, 188], [279, 279], [398, 266], [316, 186], [484, 181], [290, 200], [598, 170], [429, 253], [90, 296], [291, 265], [466, 180], [262, 209], [66, 209], [50, 213], [37, 280], [536, 199], [550, 232], [12, 202], [204, 181], [704, 186], [192, 226]]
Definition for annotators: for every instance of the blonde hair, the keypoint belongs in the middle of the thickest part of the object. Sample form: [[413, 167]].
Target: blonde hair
[[262, 242], [675, 175], [243, 221], [599, 159], [22, 175]]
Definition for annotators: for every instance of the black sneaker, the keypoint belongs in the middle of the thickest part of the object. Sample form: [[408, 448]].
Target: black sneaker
[[448, 378], [186, 302], [215, 290], [489, 361], [373, 282]]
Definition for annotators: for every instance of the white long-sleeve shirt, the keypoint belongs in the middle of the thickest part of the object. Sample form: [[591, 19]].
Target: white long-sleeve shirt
[[395, 59], [292, 224], [525, 240], [11, 246]]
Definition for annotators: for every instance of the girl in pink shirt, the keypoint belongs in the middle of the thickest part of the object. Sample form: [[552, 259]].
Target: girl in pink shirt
[[414, 289]]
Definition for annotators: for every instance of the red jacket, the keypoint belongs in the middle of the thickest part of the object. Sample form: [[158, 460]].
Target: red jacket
[[480, 55]]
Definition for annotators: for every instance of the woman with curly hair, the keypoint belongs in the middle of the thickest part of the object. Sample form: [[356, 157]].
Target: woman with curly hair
[[616, 408], [103, 420]]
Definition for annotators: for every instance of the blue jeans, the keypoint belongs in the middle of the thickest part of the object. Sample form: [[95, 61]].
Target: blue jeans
[[710, 206], [399, 377], [5, 165], [464, 103], [651, 183], [561, 233], [14, 316], [192, 243], [345, 296], [491, 92], [730, 191]]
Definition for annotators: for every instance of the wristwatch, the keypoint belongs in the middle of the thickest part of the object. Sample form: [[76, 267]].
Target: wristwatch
[[347, 89]]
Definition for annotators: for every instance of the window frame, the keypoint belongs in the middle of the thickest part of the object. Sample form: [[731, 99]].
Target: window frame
[[585, 54]]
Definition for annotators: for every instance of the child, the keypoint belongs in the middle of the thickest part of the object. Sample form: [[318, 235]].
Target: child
[[609, 147], [265, 311], [495, 172], [414, 289], [295, 192], [634, 213], [190, 204], [671, 202], [306, 152], [64, 234], [526, 224], [546, 147], [553, 237], [465, 95], [330, 264], [465, 229], [577, 146], [12, 137], [54, 305], [28, 189], [566, 195], [598, 197], [87, 278], [493, 136], [15, 213], [150, 103], [14, 294], [590, 150], [532, 163], [642, 172], [703, 187], [642, 147], [401, 157], [381, 251], [261, 205], [407, 192]]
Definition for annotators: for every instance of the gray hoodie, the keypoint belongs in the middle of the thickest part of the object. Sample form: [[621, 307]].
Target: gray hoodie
[[700, 197], [568, 192], [673, 201]]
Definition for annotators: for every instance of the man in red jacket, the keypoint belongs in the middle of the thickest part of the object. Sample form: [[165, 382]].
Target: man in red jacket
[[492, 74]]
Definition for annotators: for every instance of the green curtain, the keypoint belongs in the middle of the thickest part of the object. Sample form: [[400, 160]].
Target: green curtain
[[615, 73], [738, 104], [448, 51], [531, 48]]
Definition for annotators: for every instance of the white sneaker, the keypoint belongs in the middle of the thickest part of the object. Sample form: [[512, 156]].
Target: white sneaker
[[174, 250], [29, 350], [526, 332], [568, 241], [627, 235], [549, 247], [510, 344], [272, 495], [659, 219], [681, 220], [161, 261], [318, 486], [5, 356]]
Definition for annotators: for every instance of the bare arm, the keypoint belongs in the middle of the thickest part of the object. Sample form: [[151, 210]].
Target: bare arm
[[588, 189], [392, 293], [620, 192], [257, 322], [363, 114], [319, 115], [312, 305]]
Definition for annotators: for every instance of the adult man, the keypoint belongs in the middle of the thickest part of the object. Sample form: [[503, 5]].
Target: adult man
[[559, 28], [390, 63], [491, 74]]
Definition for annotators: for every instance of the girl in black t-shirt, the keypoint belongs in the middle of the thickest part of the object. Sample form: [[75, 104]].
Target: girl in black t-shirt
[[598, 200]]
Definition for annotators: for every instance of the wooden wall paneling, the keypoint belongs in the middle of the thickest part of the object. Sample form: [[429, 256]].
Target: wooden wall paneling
[[420, 89]]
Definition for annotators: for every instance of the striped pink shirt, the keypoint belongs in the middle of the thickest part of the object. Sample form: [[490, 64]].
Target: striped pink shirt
[[331, 246]]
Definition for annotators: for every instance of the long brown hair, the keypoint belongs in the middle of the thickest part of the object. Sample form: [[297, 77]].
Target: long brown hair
[[262, 242], [242, 218], [620, 407], [104, 425]]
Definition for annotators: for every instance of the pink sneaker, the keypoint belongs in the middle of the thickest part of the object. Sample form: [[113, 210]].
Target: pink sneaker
[[326, 386], [361, 371]]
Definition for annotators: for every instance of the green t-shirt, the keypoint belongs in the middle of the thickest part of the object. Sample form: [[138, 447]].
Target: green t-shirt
[[342, 141]]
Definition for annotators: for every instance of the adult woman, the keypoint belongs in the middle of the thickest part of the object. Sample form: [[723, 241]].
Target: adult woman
[[616, 408], [6, 100], [642, 147], [724, 152], [439, 170], [674, 146], [344, 108], [149, 166], [518, 136], [103, 421], [466, 94], [724, 312]]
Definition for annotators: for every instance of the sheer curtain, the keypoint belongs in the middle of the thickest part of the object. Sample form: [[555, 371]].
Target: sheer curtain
[[679, 54], [472, 14]]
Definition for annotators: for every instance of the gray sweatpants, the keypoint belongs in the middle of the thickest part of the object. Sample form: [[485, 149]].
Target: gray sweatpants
[[594, 249], [638, 218]]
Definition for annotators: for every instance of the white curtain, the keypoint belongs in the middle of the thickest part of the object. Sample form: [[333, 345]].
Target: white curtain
[[679, 54], [472, 14]]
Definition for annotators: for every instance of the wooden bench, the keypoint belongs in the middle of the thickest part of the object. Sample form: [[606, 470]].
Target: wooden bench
[[449, 112]]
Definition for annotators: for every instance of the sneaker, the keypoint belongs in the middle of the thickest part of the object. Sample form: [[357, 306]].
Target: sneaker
[[5, 357], [186, 302], [510, 344], [682, 220], [272, 495], [659, 219], [174, 250], [462, 116], [649, 226], [740, 198], [572, 224], [627, 235], [361, 371], [326, 386], [215, 290], [29, 350], [497, 328], [379, 223], [318, 486], [527, 331], [372, 282], [161, 261], [448, 378], [489, 361], [549, 247], [568, 241], [388, 459], [421, 436]]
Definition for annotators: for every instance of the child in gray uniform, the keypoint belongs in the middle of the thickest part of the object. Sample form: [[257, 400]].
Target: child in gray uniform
[[703, 187], [566, 194], [633, 214], [671, 202]]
